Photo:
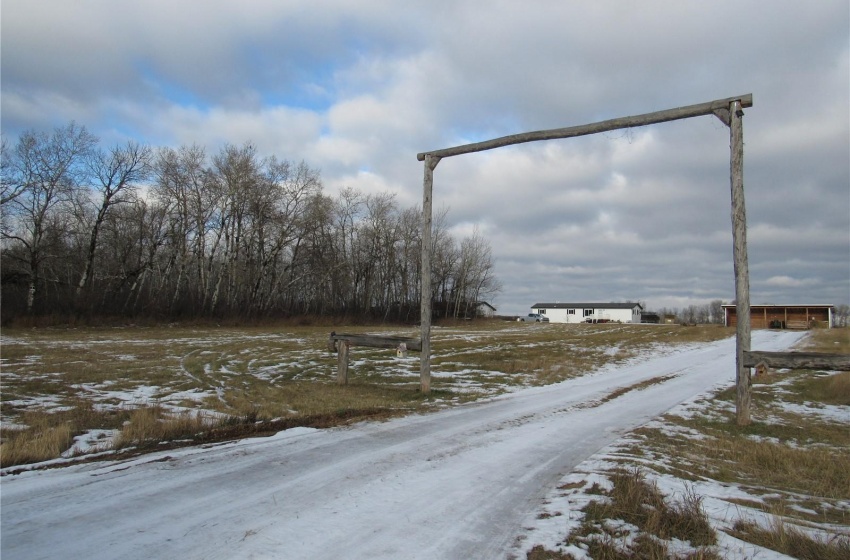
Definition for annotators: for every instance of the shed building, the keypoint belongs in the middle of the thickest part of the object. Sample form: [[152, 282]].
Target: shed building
[[783, 316], [651, 318], [590, 312], [484, 309]]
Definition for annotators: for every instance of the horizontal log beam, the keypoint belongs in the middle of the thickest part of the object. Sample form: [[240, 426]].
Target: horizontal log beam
[[374, 341], [708, 108], [798, 360]]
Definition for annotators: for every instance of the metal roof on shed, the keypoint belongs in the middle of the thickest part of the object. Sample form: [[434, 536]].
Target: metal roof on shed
[[587, 305], [794, 305]]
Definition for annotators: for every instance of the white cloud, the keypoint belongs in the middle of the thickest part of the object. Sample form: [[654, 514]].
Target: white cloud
[[788, 282], [357, 90]]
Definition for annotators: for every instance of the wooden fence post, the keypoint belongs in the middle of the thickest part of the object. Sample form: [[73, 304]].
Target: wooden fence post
[[743, 383], [343, 348], [425, 297]]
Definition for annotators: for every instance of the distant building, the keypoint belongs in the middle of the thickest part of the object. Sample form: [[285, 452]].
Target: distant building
[[462, 309], [590, 312], [783, 316], [649, 317], [484, 309]]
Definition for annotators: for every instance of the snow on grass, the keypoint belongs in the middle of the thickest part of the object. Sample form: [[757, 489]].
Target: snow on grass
[[93, 441], [210, 364], [833, 413], [44, 402], [126, 397], [724, 503], [560, 512]]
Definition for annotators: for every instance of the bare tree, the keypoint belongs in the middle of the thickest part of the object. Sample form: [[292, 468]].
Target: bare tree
[[473, 277], [12, 182], [716, 311], [347, 211], [131, 237], [842, 315], [444, 259], [179, 176], [49, 168], [116, 175], [235, 234], [409, 256]]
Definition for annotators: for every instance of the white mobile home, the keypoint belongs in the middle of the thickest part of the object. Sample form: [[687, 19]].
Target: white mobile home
[[589, 312]]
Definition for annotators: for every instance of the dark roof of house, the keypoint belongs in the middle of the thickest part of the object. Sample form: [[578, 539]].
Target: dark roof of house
[[587, 305], [485, 303]]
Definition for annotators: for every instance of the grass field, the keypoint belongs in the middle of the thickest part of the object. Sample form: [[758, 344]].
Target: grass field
[[680, 485], [70, 392]]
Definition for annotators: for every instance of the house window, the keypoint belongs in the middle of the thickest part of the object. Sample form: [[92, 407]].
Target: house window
[[571, 311], [542, 311], [588, 312]]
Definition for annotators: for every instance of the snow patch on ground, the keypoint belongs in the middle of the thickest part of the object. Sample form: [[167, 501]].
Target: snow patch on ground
[[460, 483], [559, 511]]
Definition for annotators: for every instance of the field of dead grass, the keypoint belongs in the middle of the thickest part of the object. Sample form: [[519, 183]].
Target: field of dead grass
[[71, 392], [785, 477]]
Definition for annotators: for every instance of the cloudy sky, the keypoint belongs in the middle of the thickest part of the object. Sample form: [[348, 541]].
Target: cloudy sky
[[357, 89]]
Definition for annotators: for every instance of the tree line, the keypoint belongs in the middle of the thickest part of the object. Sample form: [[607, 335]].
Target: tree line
[[132, 230], [707, 313]]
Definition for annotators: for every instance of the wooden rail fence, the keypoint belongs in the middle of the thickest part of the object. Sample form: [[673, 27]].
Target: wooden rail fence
[[341, 344], [798, 360]]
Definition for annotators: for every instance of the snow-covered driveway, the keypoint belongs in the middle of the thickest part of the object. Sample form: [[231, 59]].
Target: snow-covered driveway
[[453, 484]]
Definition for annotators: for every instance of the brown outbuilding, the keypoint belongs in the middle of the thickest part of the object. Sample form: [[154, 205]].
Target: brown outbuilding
[[784, 316]]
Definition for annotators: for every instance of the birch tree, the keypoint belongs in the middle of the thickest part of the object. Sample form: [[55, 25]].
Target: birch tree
[[115, 175], [48, 169]]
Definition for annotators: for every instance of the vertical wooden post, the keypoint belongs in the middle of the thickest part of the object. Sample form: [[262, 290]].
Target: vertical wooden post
[[343, 348], [743, 382], [425, 297]]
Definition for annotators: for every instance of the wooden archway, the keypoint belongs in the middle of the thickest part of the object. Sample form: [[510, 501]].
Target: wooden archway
[[729, 111]]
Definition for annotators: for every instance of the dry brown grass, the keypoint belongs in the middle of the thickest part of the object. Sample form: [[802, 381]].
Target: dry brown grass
[[607, 547], [787, 539], [539, 552], [153, 424], [729, 455], [644, 547], [779, 466], [826, 389], [38, 442], [47, 434], [284, 373], [829, 340], [542, 354], [638, 502], [803, 462], [796, 466]]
